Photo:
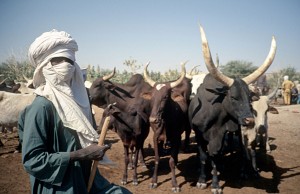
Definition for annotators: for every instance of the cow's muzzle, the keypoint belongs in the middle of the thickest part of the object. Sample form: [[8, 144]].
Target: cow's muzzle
[[248, 122], [153, 120]]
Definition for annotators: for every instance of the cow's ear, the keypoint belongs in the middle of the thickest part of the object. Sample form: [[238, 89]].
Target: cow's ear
[[146, 95], [177, 97], [109, 86], [114, 111], [254, 98], [272, 110]]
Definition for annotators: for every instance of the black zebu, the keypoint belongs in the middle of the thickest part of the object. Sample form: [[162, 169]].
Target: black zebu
[[221, 104]]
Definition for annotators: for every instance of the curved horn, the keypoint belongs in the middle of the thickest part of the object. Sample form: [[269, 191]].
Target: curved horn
[[26, 78], [107, 77], [177, 82], [3, 81], [263, 68], [210, 64], [147, 77], [272, 94], [189, 75]]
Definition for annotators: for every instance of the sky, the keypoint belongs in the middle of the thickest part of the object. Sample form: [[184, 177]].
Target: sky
[[164, 32]]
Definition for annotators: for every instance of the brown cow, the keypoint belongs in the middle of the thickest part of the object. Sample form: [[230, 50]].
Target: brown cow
[[168, 119], [129, 116]]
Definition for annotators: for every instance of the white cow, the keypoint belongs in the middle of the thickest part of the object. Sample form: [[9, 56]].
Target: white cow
[[87, 84], [258, 134], [11, 104], [197, 80], [24, 89]]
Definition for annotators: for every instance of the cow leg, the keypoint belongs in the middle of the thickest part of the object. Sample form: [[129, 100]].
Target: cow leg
[[135, 161], [246, 140], [253, 160], [172, 163], [216, 189], [268, 149], [141, 158], [126, 161], [153, 183], [186, 144], [202, 178], [130, 160]]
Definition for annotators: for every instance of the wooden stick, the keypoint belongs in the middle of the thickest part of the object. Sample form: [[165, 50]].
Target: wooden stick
[[100, 143]]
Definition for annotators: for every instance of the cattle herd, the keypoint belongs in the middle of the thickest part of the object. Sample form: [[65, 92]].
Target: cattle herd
[[221, 108]]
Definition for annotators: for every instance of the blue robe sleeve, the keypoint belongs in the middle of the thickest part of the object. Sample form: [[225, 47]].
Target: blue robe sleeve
[[38, 158]]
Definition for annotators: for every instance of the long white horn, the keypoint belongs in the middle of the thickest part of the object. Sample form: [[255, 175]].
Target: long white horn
[[210, 64], [263, 68]]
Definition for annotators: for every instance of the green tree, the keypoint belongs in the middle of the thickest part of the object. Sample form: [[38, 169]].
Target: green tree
[[14, 69], [278, 76], [170, 75], [237, 69], [132, 64]]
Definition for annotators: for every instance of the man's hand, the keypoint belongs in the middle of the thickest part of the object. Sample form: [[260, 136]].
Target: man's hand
[[92, 152]]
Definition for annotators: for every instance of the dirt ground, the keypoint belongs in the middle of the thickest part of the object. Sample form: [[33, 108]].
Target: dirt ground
[[279, 170]]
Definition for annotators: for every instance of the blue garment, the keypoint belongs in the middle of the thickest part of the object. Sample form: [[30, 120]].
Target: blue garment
[[46, 147]]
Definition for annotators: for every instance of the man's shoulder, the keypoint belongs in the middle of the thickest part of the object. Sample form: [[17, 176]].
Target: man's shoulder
[[35, 108], [41, 101]]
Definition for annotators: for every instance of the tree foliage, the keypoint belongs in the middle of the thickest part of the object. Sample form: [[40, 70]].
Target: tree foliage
[[276, 77], [132, 64], [237, 69], [12, 69]]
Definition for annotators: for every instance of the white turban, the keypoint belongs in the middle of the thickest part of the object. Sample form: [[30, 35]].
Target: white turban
[[286, 77], [70, 100], [47, 46]]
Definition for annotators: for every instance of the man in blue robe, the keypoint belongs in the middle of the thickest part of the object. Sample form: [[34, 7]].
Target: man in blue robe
[[57, 131]]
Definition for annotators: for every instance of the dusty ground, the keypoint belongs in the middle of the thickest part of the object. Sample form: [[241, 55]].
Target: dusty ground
[[280, 170]]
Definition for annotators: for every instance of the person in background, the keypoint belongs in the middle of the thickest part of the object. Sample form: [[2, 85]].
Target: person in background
[[57, 131], [287, 86], [294, 95], [297, 85]]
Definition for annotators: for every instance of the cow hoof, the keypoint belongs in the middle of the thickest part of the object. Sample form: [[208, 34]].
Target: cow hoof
[[123, 182], [176, 189], [130, 167], [201, 185], [135, 183], [217, 191], [153, 185]]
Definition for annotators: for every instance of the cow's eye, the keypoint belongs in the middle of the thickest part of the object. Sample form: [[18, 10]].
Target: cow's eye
[[254, 112]]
